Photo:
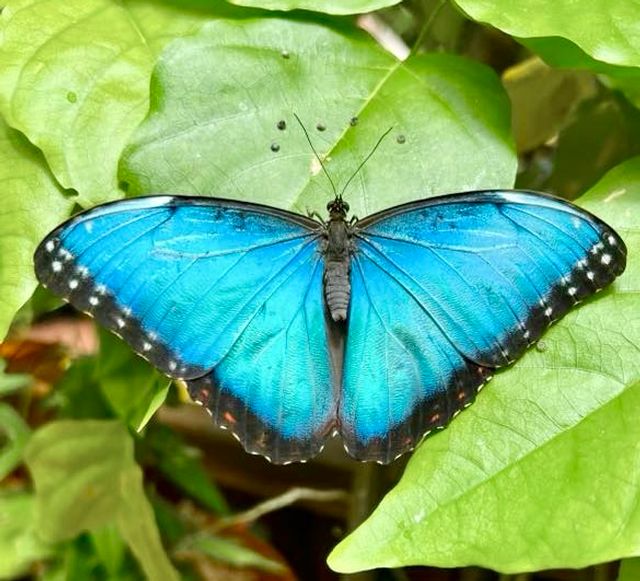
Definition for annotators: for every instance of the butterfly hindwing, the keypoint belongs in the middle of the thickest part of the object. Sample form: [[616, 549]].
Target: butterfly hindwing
[[403, 376], [447, 289], [224, 295]]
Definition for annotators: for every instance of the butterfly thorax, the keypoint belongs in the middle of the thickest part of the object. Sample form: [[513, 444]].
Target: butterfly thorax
[[337, 251]]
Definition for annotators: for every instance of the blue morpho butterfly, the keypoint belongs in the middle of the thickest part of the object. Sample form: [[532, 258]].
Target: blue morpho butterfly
[[289, 328]]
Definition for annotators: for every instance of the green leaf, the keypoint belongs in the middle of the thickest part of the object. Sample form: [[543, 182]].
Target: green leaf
[[19, 544], [182, 465], [603, 133], [604, 29], [543, 99], [74, 77], [32, 204], [542, 471], [629, 570], [78, 395], [76, 467], [133, 388], [86, 478], [216, 137], [562, 53], [136, 523], [14, 433], [328, 6], [229, 551], [111, 549]]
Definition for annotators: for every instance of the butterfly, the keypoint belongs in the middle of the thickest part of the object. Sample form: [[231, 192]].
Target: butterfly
[[293, 328]]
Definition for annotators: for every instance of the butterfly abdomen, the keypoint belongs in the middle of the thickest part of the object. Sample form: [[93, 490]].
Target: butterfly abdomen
[[337, 288]]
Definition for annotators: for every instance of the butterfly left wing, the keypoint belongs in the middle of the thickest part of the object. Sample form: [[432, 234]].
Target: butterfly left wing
[[448, 289], [225, 295]]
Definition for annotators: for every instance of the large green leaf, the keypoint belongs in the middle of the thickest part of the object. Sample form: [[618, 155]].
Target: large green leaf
[[86, 478], [543, 470], [32, 204], [74, 77], [605, 29], [328, 6], [218, 98]]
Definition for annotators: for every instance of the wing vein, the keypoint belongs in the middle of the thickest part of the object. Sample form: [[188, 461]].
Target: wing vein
[[415, 298]]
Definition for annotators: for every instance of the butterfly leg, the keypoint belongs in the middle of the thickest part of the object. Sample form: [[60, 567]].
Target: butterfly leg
[[316, 216]]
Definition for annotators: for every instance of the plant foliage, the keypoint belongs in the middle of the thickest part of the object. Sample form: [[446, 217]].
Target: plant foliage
[[101, 99]]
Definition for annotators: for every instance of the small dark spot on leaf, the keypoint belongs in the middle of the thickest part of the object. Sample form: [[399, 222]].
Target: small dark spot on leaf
[[275, 147], [353, 122], [72, 97], [282, 125], [321, 127], [541, 346], [123, 185], [401, 139], [285, 54]]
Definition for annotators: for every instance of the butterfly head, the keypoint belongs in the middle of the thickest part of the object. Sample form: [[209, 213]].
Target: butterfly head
[[337, 208]]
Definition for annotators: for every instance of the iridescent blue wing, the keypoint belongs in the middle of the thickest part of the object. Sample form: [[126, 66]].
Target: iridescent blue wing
[[225, 295], [448, 289]]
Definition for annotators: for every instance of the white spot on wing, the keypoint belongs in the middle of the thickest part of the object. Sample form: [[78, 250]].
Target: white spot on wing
[[572, 290], [120, 323], [590, 275], [94, 301], [548, 311], [606, 259], [49, 246], [56, 266], [73, 283]]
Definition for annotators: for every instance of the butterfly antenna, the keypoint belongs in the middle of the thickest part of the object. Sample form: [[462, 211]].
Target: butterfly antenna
[[324, 169], [365, 160]]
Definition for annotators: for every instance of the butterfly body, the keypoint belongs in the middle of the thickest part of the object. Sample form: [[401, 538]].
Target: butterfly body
[[337, 248], [289, 329]]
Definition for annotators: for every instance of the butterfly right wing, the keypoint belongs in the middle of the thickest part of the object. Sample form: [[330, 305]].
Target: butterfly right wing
[[224, 295], [447, 289]]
